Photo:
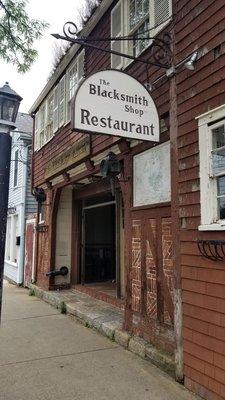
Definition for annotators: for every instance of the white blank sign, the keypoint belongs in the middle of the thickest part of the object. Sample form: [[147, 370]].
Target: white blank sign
[[152, 176]]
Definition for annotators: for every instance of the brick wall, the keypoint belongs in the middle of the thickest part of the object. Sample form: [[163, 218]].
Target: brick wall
[[151, 265]]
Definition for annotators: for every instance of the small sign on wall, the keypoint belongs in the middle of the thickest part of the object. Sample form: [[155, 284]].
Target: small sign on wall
[[114, 103], [152, 176]]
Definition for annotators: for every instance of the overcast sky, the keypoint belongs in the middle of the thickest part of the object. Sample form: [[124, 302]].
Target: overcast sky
[[30, 84]]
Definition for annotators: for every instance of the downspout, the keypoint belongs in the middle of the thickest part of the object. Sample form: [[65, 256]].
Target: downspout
[[36, 234], [22, 221]]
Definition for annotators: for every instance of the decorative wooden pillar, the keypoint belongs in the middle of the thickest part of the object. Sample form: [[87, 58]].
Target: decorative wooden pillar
[[55, 198], [176, 225], [126, 188]]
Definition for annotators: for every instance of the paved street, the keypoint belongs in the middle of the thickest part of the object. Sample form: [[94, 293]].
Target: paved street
[[45, 355]]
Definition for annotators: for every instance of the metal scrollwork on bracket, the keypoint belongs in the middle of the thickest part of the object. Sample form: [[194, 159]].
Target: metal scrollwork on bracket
[[160, 56], [212, 249], [70, 30], [161, 50]]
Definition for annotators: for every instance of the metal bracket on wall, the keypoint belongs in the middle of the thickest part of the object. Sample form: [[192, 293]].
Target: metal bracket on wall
[[42, 228], [212, 249], [160, 56]]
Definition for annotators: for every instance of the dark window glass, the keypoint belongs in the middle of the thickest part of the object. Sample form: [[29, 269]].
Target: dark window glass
[[221, 206]]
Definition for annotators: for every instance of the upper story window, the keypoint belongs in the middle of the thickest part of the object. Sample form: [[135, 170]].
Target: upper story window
[[138, 24], [55, 111], [212, 169], [15, 173], [136, 18], [74, 77]]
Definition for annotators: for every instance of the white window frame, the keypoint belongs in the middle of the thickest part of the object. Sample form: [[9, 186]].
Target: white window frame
[[49, 120], [11, 249], [36, 139], [80, 76], [154, 30], [208, 183], [15, 163]]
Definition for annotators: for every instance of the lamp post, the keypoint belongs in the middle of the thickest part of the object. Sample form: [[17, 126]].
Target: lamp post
[[9, 105]]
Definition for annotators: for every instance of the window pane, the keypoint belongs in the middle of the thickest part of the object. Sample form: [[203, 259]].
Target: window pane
[[221, 185], [218, 161], [218, 152], [140, 45], [221, 207], [138, 10], [132, 14], [218, 137]]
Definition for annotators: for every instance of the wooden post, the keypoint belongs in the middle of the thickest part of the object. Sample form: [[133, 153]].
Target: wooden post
[[176, 226], [126, 187], [55, 198]]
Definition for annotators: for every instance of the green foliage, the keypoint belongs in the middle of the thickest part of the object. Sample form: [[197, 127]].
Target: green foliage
[[62, 307], [18, 33], [31, 292]]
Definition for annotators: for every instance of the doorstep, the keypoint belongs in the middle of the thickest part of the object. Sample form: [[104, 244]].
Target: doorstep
[[106, 319], [100, 295]]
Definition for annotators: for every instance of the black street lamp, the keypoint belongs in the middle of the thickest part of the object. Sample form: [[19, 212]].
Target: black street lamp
[[9, 105]]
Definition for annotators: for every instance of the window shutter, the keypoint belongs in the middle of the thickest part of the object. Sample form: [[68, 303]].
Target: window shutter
[[116, 31], [80, 66], [55, 110], [62, 101], [162, 11], [36, 131]]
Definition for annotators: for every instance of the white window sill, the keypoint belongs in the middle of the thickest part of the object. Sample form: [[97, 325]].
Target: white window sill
[[212, 227]]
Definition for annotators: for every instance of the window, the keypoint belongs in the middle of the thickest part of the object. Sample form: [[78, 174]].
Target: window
[[55, 111], [16, 162], [212, 169], [61, 101], [218, 166], [12, 231], [49, 118], [138, 24], [74, 77], [136, 18]]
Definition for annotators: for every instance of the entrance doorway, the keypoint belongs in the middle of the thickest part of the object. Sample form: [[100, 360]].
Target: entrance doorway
[[99, 241]]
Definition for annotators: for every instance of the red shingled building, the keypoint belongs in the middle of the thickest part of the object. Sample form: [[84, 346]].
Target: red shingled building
[[144, 248]]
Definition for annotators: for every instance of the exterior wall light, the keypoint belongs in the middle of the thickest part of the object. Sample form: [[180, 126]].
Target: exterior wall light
[[9, 105], [190, 64]]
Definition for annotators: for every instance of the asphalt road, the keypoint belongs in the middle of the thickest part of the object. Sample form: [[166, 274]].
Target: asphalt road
[[45, 355]]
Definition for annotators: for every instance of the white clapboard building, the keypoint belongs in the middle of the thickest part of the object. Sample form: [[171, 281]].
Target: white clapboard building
[[21, 202]]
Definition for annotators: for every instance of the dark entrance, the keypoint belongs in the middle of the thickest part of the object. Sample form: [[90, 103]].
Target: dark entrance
[[99, 240]]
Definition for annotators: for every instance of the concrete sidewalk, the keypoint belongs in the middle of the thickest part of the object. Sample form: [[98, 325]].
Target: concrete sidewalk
[[44, 355]]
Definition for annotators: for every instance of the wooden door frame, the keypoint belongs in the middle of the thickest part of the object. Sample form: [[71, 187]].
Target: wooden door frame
[[76, 240], [77, 235]]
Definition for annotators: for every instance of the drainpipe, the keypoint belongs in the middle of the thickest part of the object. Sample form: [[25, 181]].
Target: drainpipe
[[23, 222]]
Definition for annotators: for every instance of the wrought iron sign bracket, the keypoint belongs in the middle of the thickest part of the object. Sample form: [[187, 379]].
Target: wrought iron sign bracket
[[161, 55]]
